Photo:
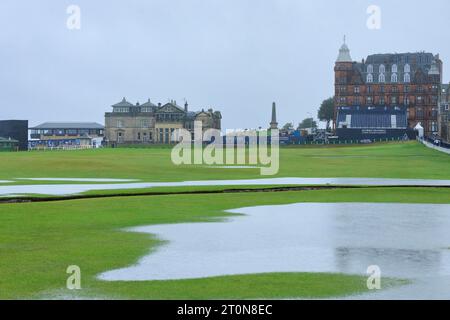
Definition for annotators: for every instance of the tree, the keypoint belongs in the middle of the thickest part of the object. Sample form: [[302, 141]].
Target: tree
[[288, 126], [326, 111], [307, 124]]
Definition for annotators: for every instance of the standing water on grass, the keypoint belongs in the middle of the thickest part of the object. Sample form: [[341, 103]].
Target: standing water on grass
[[408, 241], [70, 189]]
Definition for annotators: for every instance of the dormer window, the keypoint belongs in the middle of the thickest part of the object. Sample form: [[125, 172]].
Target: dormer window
[[121, 109], [407, 68], [394, 68], [369, 78], [382, 68], [381, 78], [370, 68]]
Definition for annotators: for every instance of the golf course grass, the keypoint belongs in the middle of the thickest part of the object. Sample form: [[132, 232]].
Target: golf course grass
[[39, 241], [389, 160]]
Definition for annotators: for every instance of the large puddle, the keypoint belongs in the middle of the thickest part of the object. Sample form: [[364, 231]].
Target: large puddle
[[405, 240], [68, 189]]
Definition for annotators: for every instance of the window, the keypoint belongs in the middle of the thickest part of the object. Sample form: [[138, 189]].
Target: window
[[370, 68], [433, 126], [121, 109], [419, 113], [119, 123], [369, 100], [119, 137], [382, 89], [407, 68], [407, 78], [434, 99], [394, 77], [395, 89], [382, 68], [381, 78], [166, 134], [72, 132], [369, 89], [394, 68], [382, 101], [419, 100], [406, 89], [342, 80], [369, 78], [393, 100], [356, 89], [145, 123]]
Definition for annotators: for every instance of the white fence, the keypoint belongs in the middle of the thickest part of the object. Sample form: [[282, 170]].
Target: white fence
[[41, 148]]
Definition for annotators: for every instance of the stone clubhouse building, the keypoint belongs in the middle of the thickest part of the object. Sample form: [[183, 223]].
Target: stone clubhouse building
[[149, 123]]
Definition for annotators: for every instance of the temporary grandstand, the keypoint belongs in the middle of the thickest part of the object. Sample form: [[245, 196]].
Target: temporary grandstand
[[377, 122]]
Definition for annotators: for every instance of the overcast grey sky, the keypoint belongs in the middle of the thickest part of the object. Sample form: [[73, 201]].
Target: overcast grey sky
[[234, 55]]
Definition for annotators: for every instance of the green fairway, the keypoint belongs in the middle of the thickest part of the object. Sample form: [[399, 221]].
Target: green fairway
[[38, 241], [392, 160]]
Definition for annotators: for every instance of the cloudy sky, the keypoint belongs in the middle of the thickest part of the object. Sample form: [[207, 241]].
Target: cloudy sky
[[234, 55]]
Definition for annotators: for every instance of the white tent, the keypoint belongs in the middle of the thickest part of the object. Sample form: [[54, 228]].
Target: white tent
[[419, 130]]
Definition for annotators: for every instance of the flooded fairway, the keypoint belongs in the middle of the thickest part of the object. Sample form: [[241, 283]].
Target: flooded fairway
[[71, 189], [409, 241]]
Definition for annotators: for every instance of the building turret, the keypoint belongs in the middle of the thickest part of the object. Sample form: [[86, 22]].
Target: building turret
[[343, 71], [344, 53]]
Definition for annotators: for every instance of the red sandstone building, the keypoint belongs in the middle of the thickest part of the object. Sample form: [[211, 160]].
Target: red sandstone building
[[407, 80]]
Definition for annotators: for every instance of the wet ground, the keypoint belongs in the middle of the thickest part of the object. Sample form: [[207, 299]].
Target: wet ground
[[70, 189], [78, 179], [408, 241]]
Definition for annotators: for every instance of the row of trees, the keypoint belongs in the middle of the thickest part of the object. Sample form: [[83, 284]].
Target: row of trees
[[305, 124], [325, 114]]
